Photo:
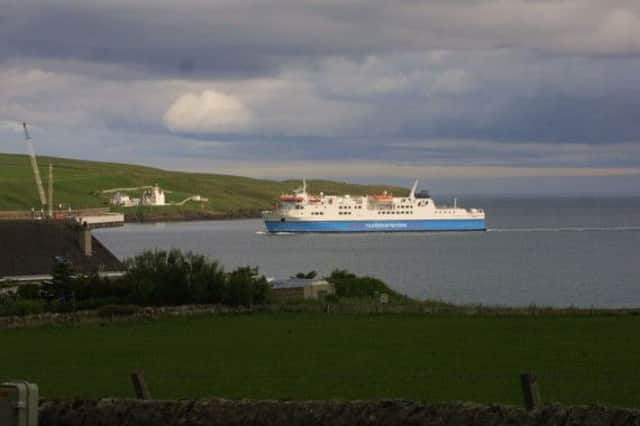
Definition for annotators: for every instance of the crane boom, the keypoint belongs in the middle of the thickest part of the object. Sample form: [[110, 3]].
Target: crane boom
[[34, 165]]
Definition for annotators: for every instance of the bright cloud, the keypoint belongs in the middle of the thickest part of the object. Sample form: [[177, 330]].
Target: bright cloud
[[206, 112]]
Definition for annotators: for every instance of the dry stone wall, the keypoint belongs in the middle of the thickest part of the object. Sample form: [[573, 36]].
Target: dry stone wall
[[309, 413], [151, 313]]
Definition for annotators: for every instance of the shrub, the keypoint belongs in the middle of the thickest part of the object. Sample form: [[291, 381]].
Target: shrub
[[22, 307], [349, 285], [173, 278], [89, 304], [29, 291]]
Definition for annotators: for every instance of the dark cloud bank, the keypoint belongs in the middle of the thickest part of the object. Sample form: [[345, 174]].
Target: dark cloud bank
[[544, 84]]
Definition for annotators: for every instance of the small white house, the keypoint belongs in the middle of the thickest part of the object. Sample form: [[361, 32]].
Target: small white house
[[122, 199], [300, 289]]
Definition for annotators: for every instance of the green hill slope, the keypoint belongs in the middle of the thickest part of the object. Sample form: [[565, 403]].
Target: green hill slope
[[79, 184]]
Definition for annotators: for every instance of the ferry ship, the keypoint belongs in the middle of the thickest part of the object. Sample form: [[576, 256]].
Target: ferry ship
[[304, 212]]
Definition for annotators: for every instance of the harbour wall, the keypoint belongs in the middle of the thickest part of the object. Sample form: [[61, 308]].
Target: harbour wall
[[309, 413]]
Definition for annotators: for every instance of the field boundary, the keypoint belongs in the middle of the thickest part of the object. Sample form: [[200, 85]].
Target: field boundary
[[274, 413], [137, 313]]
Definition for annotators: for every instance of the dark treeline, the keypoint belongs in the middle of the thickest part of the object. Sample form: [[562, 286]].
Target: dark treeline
[[153, 278], [168, 278]]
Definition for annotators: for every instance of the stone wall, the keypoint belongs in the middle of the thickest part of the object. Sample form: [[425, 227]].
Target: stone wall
[[151, 313], [310, 413], [93, 317]]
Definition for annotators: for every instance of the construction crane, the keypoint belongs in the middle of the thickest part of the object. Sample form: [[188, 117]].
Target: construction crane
[[34, 165]]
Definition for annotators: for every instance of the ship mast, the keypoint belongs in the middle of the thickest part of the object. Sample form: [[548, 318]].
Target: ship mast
[[412, 194]]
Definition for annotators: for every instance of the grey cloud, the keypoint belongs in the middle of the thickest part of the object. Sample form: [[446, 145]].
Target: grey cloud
[[476, 82], [254, 38]]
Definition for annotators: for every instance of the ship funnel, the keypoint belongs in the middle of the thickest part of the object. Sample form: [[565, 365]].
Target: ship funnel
[[412, 194]]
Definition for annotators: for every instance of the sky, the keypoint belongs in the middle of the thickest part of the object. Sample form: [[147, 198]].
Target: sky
[[470, 96]]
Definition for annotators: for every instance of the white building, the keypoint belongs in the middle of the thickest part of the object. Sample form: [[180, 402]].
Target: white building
[[300, 289], [154, 197], [122, 199]]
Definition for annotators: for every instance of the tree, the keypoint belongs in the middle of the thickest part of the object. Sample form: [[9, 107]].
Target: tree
[[308, 275], [61, 284]]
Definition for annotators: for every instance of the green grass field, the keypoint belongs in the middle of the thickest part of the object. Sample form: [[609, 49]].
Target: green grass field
[[79, 184], [306, 356]]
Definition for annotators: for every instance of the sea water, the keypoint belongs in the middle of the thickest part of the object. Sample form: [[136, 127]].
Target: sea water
[[545, 251]]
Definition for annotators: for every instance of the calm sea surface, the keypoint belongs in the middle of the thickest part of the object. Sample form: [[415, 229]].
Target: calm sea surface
[[544, 251]]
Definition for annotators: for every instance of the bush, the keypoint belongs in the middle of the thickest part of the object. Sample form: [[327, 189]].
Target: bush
[[349, 285], [174, 278], [22, 307], [29, 291], [89, 304]]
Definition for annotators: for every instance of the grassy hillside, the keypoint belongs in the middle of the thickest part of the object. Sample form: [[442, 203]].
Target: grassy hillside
[[79, 184], [578, 360]]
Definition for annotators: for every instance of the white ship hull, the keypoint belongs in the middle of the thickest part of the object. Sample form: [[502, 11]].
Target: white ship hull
[[301, 212]]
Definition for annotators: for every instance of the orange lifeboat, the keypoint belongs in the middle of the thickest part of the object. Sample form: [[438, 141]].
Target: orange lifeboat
[[314, 199], [291, 198], [381, 197]]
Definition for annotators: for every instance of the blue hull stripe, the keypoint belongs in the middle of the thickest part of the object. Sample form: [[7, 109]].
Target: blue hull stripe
[[377, 226]]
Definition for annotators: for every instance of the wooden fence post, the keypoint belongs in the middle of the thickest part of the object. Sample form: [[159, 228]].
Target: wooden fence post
[[139, 385], [530, 391]]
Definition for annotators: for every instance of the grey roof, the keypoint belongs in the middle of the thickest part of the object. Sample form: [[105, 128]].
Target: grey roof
[[29, 247], [296, 282]]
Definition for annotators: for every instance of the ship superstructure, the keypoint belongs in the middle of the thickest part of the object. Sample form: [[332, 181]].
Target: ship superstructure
[[301, 211]]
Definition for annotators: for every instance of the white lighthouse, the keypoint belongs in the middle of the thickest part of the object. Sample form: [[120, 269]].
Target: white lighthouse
[[154, 197]]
